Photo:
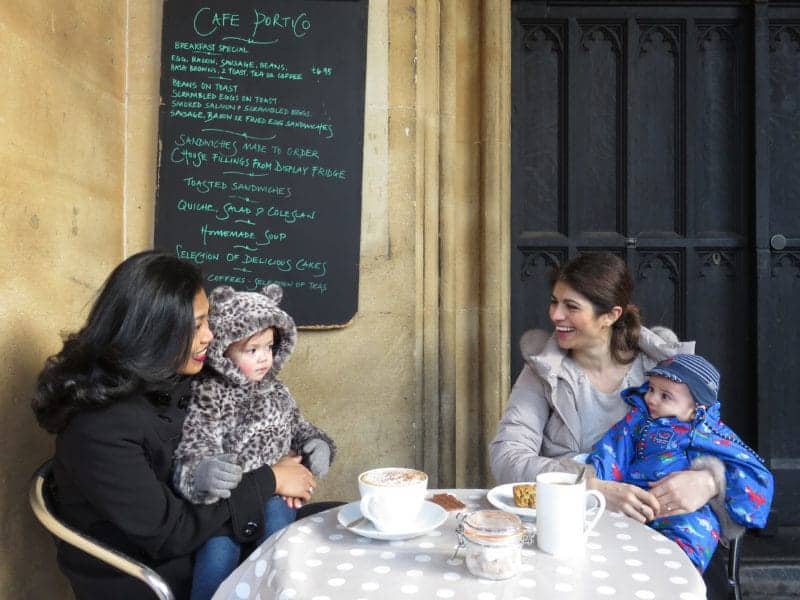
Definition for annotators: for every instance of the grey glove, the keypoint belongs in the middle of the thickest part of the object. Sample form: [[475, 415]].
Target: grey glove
[[217, 475], [318, 457]]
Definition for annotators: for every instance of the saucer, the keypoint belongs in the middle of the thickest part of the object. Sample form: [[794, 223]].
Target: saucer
[[430, 517], [502, 497]]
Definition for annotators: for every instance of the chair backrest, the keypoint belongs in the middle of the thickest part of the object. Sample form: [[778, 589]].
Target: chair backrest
[[42, 508]]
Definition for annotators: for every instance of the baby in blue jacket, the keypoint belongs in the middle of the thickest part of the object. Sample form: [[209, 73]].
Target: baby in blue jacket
[[674, 420]]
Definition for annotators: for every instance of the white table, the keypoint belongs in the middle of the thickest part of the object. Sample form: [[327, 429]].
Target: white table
[[317, 559]]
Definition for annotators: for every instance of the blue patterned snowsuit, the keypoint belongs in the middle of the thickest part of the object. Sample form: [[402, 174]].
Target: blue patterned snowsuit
[[638, 450]]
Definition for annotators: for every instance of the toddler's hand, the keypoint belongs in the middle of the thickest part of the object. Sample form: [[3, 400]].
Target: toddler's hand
[[217, 475], [319, 456]]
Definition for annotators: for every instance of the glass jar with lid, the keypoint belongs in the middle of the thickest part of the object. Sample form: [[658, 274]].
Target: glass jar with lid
[[492, 543]]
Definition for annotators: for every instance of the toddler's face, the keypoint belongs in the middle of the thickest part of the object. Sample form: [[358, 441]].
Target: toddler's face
[[667, 398], [253, 355]]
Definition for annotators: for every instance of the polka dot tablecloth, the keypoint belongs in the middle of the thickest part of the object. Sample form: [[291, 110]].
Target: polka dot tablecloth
[[318, 559]]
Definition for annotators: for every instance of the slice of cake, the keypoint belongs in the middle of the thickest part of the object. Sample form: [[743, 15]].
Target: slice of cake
[[525, 495]]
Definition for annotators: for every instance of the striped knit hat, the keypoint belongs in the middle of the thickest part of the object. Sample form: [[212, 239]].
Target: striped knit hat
[[701, 377]]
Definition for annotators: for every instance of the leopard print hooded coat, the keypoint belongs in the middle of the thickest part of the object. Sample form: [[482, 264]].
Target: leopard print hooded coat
[[258, 422]]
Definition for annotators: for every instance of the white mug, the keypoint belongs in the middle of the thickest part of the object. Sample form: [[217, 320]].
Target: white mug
[[392, 497], [561, 526]]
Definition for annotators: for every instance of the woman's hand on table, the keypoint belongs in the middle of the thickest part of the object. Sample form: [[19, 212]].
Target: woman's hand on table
[[631, 500], [683, 491], [293, 480]]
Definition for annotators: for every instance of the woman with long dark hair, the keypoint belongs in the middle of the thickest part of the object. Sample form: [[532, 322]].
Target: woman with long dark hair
[[115, 396]]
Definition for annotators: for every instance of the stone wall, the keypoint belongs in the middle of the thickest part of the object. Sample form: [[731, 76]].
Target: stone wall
[[62, 229]]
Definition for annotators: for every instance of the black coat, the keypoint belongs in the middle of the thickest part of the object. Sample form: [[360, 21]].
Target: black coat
[[112, 473]]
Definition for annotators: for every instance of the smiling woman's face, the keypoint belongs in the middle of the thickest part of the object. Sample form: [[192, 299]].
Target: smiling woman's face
[[577, 326], [202, 336]]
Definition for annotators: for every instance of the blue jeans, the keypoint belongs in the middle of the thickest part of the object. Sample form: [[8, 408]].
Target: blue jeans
[[277, 515], [220, 555]]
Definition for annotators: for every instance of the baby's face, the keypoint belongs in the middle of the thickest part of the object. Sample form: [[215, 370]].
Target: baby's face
[[667, 398], [253, 355]]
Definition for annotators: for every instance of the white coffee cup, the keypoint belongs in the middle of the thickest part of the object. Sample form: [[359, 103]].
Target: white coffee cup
[[561, 507], [391, 497]]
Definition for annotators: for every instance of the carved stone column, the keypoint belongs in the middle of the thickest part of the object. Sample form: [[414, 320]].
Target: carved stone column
[[463, 112]]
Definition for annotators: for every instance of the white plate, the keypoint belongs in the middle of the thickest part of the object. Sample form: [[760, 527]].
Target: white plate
[[430, 517], [502, 497]]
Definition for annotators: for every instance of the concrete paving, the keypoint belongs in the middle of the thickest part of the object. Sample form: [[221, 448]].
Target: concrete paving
[[770, 565]]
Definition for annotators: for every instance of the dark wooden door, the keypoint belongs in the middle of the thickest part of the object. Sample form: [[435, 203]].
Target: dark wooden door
[[669, 133]]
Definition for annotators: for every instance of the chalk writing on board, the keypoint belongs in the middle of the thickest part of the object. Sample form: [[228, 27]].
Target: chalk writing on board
[[261, 136]]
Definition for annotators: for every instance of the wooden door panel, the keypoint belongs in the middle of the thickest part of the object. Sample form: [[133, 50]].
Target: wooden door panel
[[779, 285], [657, 99], [631, 133], [720, 145], [540, 133], [669, 133], [720, 314], [658, 274], [597, 148]]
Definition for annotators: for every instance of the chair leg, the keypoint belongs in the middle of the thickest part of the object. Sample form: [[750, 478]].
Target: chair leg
[[733, 568]]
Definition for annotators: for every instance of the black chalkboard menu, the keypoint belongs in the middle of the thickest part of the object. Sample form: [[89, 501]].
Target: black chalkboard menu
[[260, 147]]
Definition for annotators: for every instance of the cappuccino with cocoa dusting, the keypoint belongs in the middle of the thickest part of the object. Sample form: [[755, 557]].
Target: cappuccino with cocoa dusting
[[392, 497], [394, 477]]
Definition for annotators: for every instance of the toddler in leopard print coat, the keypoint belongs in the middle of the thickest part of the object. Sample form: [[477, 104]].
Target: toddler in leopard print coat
[[240, 409]]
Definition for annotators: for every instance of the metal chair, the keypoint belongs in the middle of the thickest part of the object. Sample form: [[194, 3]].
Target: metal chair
[[734, 554], [722, 574], [41, 503]]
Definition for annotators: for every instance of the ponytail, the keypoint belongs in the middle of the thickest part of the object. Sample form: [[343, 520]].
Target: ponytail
[[625, 334]]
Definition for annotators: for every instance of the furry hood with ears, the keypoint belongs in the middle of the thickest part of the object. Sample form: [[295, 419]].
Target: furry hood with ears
[[237, 315]]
